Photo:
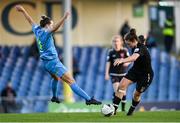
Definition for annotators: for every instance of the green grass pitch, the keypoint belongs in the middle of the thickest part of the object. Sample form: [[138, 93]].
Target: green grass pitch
[[160, 116]]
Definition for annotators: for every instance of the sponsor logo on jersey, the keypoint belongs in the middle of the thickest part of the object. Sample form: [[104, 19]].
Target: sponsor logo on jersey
[[136, 50]]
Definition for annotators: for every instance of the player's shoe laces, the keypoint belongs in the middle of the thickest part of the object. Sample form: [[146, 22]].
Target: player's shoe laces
[[55, 99], [131, 110], [93, 101]]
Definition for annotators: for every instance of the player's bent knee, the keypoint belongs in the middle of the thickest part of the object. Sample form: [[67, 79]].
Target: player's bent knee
[[55, 77], [124, 83], [67, 78], [121, 91]]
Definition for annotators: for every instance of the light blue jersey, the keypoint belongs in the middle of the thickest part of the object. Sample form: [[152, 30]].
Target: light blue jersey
[[49, 57], [48, 53], [45, 43]]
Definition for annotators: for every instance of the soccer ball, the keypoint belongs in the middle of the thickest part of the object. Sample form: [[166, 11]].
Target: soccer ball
[[107, 110]]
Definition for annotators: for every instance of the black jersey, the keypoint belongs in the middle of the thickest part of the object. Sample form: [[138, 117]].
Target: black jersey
[[119, 70], [143, 62]]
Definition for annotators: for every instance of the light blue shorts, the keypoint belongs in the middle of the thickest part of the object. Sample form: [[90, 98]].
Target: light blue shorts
[[54, 67]]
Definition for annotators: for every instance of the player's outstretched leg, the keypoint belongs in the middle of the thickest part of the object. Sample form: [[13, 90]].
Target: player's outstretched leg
[[54, 91], [76, 89]]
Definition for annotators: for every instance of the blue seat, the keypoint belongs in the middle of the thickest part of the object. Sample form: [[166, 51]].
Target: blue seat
[[164, 77], [173, 82], [22, 93], [77, 53], [102, 63], [89, 83], [99, 89], [5, 50], [84, 61], [108, 90], [40, 106], [14, 52], [80, 81], [153, 89], [144, 96], [25, 52], [130, 90], [3, 83]]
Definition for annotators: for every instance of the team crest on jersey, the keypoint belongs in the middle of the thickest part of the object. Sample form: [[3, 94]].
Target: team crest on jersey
[[122, 55], [136, 50]]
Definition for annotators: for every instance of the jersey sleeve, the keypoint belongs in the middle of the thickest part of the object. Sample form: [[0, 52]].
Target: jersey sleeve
[[39, 32], [126, 52], [108, 58], [139, 51], [36, 29]]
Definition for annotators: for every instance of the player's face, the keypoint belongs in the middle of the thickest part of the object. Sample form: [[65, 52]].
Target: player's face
[[50, 25], [130, 43], [117, 43]]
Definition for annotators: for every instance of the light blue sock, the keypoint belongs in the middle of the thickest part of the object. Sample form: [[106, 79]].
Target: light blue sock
[[54, 87], [76, 89]]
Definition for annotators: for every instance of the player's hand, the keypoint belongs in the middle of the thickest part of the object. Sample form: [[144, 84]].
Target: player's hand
[[66, 15], [19, 8], [118, 62], [126, 64], [107, 77]]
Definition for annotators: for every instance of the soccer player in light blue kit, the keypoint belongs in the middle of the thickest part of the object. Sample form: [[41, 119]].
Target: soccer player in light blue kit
[[49, 56]]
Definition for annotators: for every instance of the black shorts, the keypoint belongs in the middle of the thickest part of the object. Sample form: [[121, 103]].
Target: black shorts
[[115, 79], [142, 80]]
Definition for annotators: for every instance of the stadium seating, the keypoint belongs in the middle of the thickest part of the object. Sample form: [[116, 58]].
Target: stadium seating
[[164, 77], [30, 81], [174, 78], [153, 89]]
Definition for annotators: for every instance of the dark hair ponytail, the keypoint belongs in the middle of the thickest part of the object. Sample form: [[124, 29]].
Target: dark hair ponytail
[[131, 35], [141, 39], [43, 17], [44, 20]]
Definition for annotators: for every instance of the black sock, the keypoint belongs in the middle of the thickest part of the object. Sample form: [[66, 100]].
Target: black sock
[[116, 101], [135, 103], [133, 106], [123, 103]]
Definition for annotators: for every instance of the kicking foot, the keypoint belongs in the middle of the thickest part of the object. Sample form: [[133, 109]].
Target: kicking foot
[[93, 101], [130, 112]]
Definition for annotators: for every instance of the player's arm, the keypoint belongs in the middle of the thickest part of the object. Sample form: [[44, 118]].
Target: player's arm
[[107, 70], [60, 23], [131, 58], [127, 55], [126, 64], [21, 9]]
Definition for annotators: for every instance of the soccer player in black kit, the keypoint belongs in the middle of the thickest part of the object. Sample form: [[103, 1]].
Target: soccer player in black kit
[[116, 73], [141, 72]]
